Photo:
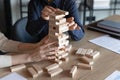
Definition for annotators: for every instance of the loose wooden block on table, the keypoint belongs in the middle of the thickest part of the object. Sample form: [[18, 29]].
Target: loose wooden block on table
[[89, 51], [93, 55], [86, 60], [83, 52], [73, 71], [52, 66], [37, 68], [78, 52], [32, 71], [17, 67], [84, 66], [55, 72]]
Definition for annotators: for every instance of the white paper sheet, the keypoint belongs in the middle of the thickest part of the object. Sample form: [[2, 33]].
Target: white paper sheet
[[13, 76], [114, 76], [108, 42]]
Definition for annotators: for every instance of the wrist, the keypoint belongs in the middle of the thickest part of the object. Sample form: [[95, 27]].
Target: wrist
[[20, 59]]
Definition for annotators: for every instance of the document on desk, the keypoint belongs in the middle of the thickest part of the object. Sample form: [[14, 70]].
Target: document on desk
[[114, 76], [108, 42], [13, 76]]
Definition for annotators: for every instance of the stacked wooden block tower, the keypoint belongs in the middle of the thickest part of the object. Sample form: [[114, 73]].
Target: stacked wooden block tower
[[57, 32]]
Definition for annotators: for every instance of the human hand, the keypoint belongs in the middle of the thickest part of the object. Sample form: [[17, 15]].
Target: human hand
[[72, 25], [47, 11], [43, 52], [45, 40]]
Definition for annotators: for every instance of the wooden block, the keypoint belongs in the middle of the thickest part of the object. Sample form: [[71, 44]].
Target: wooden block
[[58, 28], [73, 71], [89, 51], [32, 72], [17, 67], [57, 22], [84, 66], [56, 16], [65, 43], [68, 48], [66, 59], [78, 52], [86, 60], [94, 54], [63, 37], [58, 61], [83, 52], [63, 55], [53, 37], [61, 21], [55, 72], [59, 38], [60, 52], [61, 12], [37, 68], [51, 67]]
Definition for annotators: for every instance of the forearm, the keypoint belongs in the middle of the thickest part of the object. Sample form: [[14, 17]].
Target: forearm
[[27, 46], [9, 60], [76, 34], [20, 59]]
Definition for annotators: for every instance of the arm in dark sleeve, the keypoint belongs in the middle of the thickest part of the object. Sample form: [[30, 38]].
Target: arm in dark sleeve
[[73, 12], [36, 24]]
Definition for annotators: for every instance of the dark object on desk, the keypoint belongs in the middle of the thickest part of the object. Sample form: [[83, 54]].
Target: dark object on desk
[[109, 25], [94, 26], [2, 53]]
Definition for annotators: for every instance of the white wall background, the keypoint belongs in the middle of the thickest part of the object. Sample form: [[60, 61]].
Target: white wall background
[[15, 7]]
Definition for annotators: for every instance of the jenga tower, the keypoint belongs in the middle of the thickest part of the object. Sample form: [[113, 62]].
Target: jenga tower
[[57, 28]]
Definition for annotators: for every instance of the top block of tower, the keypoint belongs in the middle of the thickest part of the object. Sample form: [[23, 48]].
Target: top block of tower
[[59, 14]]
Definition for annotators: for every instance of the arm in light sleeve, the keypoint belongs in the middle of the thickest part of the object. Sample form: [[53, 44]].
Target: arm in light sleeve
[[7, 45], [5, 61]]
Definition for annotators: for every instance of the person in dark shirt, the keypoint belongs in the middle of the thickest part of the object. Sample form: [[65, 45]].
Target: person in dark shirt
[[38, 17]]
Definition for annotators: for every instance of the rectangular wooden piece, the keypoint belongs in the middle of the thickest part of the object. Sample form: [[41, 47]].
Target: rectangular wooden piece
[[55, 72], [52, 66], [73, 71], [32, 71], [17, 67]]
